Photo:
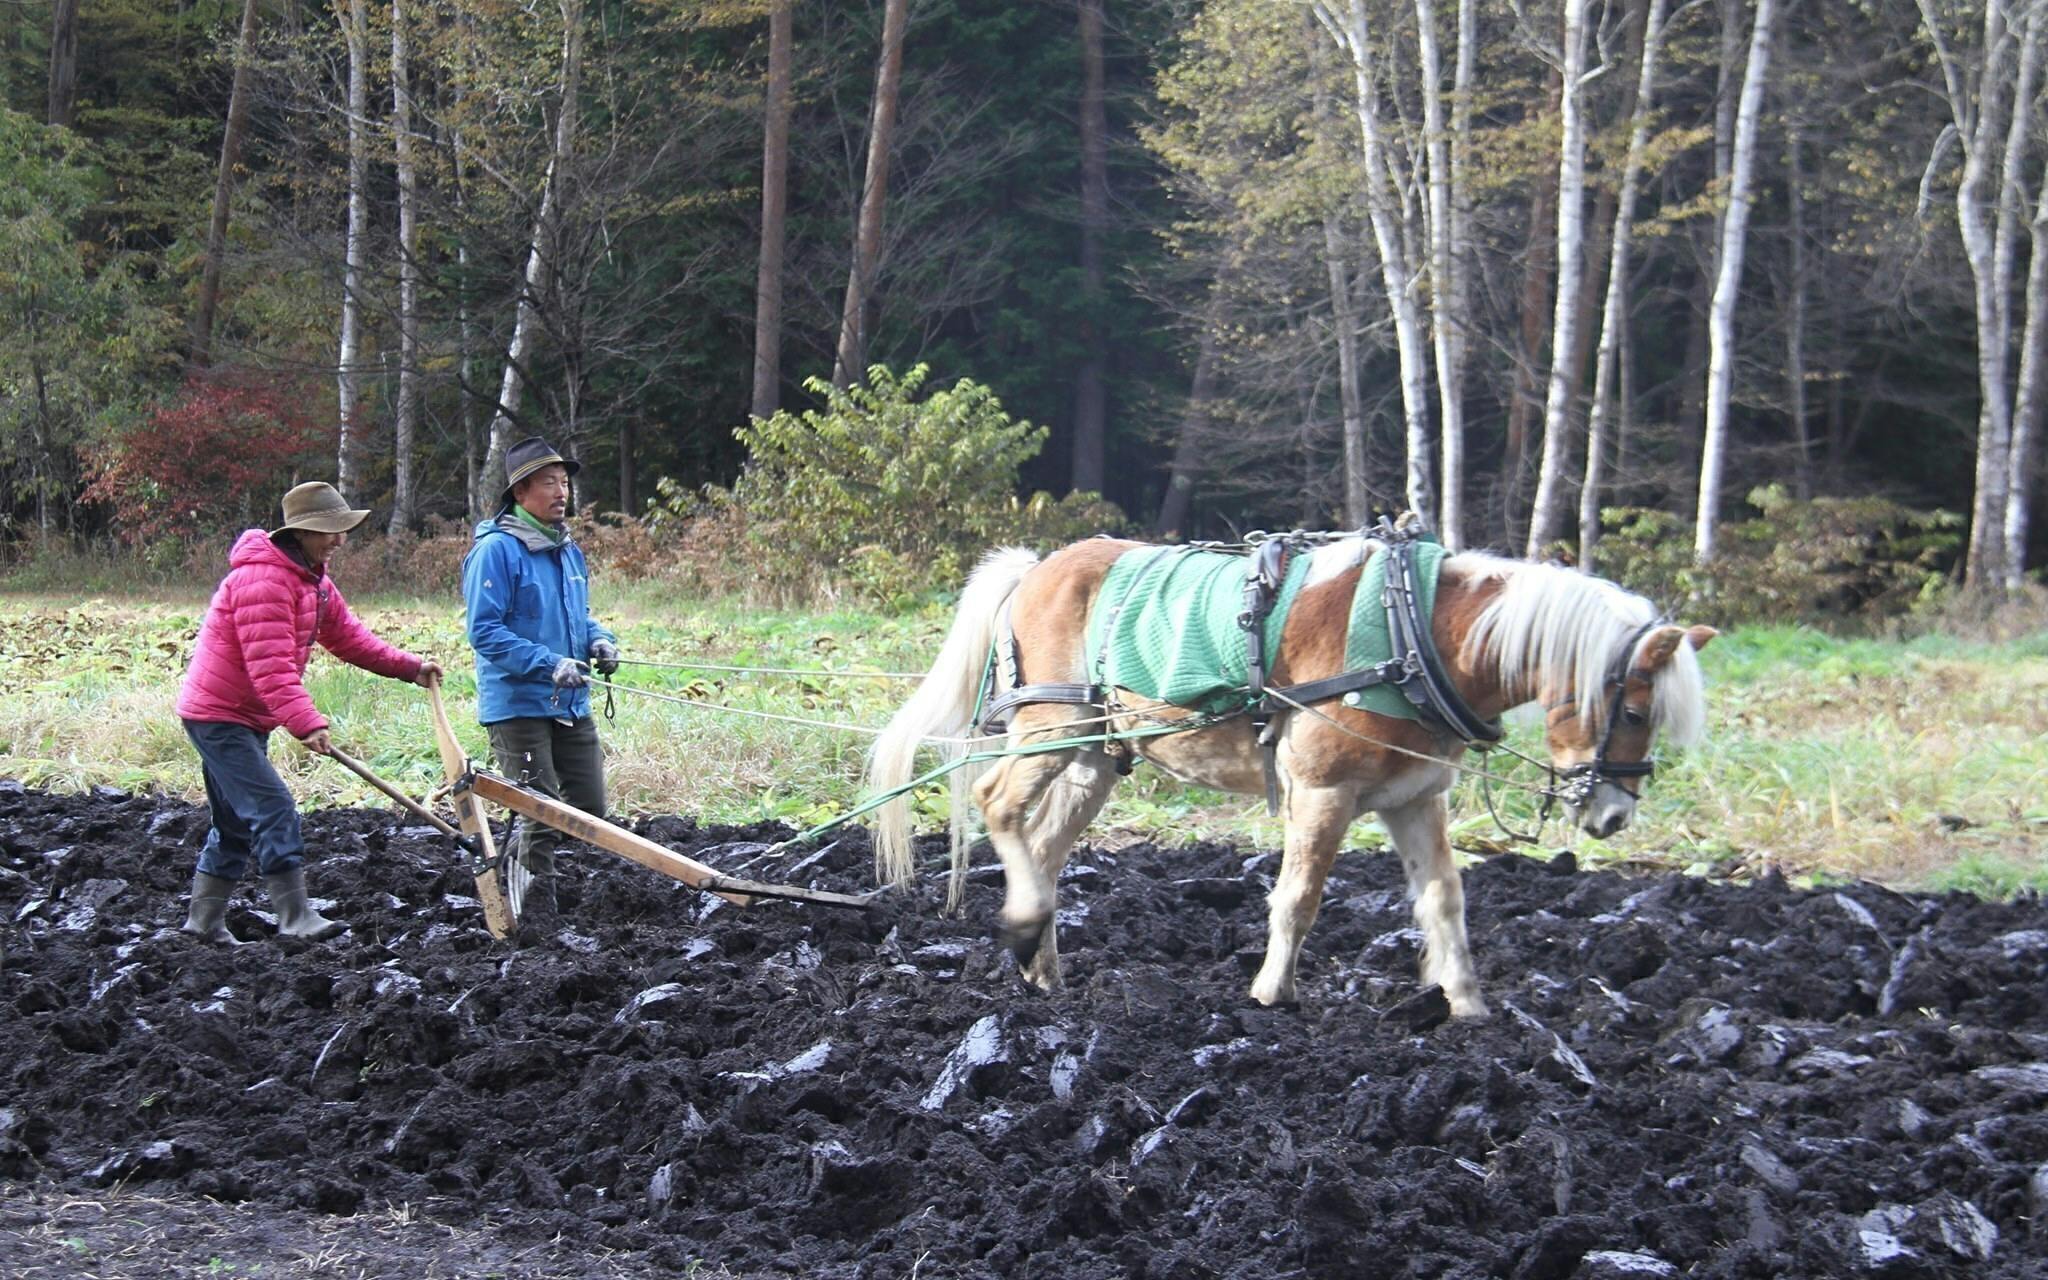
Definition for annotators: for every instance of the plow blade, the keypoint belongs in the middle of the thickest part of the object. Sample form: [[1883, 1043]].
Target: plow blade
[[574, 822]]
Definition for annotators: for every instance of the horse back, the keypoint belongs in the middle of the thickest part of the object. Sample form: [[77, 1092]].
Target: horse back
[[1049, 613]]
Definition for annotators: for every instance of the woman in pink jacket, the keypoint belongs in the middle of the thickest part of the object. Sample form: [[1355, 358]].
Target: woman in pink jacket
[[247, 678]]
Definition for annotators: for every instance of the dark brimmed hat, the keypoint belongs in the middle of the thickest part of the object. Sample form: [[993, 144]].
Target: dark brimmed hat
[[318, 507], [527, 457]]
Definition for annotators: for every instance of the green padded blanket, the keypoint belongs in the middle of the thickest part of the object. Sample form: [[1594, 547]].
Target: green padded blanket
[[1176, 638]]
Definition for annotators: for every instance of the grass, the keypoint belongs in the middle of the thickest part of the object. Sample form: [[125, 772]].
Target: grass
[[1917, 763]]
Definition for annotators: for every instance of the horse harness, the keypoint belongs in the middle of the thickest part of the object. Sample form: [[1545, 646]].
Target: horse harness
[[1415, 668], [1580, 779]]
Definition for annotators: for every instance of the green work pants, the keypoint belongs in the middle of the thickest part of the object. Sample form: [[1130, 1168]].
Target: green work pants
[[560, 760]]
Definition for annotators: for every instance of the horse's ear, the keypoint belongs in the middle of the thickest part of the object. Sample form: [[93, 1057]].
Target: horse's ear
[[1657, 650], [1699, 636]]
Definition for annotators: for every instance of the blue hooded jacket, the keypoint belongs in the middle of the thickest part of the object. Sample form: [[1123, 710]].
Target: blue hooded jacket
[[529, 607]]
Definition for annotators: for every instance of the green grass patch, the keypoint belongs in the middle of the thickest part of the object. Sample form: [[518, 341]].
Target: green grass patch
[[1921, 762]]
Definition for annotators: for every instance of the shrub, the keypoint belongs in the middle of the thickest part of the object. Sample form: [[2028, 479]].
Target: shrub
[[216, 457], [1822, 560], [878, 492]]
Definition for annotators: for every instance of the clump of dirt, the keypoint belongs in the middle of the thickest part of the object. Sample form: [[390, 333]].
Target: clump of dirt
[[1679, 1077]]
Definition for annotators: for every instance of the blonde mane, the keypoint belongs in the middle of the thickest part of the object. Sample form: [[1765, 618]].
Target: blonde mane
[[1558, 626]]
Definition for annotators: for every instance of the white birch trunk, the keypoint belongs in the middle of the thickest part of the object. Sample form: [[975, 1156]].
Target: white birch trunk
[[1445, 321], [539, 274], [1458, 292], [1391, 232], [348, 386], [1546, 517], [2033, 388], [403, 501], [1614, 314], [1728, 280], [1976, 201]]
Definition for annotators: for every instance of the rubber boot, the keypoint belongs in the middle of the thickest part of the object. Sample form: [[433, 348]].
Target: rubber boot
[[207, 917], [295, 916]]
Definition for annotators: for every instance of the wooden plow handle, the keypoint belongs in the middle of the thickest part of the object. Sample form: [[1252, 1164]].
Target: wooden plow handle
[[499, 917]]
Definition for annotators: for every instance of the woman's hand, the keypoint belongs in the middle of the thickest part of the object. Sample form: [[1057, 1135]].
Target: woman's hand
[[318, 743], [430, 671]]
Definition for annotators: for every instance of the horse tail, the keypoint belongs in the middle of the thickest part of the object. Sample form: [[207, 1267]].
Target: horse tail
[[942, 706]]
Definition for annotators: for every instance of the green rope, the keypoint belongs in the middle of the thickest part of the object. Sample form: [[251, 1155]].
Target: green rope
[[977, 757]]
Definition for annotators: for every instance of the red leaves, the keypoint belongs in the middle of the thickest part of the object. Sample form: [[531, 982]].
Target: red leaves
[[219, 454]]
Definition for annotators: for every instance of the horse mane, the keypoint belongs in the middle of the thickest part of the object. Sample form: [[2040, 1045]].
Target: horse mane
[[1563, 626]]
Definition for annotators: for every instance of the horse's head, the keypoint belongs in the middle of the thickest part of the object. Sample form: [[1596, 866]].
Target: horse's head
[[1600, 738]]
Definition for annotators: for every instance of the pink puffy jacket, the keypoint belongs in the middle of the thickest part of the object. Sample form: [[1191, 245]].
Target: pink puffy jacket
[[258, 634]]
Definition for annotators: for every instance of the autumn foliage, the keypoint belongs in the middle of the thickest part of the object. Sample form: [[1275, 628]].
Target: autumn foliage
[[217, 456]]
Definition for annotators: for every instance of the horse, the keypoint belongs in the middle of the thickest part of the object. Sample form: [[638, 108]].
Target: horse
[[1607, 669]]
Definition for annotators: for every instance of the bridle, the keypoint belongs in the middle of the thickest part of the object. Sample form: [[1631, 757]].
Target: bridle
[[1578, 782]]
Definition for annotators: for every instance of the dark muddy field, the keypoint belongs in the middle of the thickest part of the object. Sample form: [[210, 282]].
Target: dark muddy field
[[1680, 1078]]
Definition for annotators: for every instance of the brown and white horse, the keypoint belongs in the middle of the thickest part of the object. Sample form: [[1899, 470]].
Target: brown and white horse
[[1508, 633]]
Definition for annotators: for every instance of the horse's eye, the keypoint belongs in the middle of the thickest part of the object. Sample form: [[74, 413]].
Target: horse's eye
[[1633, 718]]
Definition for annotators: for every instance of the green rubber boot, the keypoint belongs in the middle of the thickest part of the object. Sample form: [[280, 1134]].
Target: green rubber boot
[[207, 917], [295, 915]]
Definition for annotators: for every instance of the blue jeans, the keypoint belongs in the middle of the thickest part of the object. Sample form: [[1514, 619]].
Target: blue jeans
[[252, 811]]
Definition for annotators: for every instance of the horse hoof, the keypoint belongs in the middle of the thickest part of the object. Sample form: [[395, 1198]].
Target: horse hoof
[[1021, 940]]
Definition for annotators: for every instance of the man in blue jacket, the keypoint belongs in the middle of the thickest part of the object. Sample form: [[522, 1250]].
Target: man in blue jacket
[[528, 597]]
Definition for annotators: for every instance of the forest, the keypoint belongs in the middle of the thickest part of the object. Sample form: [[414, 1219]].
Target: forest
[[1675, 268]]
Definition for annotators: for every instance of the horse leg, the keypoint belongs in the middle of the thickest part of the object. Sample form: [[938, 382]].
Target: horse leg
[[1421, 832], [1007, 795], [1317, 818], [1069, 805]]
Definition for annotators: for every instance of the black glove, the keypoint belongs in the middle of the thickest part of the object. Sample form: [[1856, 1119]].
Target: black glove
[[604, 655], [568, 675]]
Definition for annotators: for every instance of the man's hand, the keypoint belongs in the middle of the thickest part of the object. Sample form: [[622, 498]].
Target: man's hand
[[318, 743], [604, 655], [568, 675], [430, 671]]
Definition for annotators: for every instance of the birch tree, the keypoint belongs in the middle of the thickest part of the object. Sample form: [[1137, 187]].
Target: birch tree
[[774, 214], [1343, 309], [403, 501], [850, 364], [348, 386], [1614, 314], [1393, 231], [1445, 319], [1728, 279], [1457, 297], [1546, 517], [538, 275], [1979, 112]]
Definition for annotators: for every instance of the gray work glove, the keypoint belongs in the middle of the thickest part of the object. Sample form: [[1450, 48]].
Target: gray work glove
[[568, 675], [604, 655]]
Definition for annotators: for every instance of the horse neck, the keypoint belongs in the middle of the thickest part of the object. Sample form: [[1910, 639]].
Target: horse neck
[[1459, 601]]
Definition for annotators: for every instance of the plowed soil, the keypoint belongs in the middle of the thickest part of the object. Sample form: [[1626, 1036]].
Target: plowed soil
[[1680, 1077]]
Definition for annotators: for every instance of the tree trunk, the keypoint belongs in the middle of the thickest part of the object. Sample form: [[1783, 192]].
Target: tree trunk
[[1795, 319], [1458, 293], [1546, 516], [850, 365], [474, 496], [1446, 323], [1537, 262], [1728, 280], [628, 434], [1614, 315], [1344, 316], [1090, 410], [63, 62], [1976, 202], [223, 194], [774, 214], [347, 379], [2033, 387], [1392, 232], [403, 500], [1180, 484], [539, 277]]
